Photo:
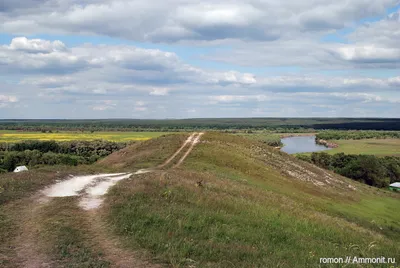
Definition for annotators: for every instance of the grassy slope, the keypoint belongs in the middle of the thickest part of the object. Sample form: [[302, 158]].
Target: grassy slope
[[15, 136], [257, 208], [145, 154]]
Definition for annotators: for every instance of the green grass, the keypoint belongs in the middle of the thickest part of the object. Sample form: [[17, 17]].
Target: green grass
[[379, 147], [145, 154], [254, 208], [248, 213], [16, 136], [210, 227], [64, 231]]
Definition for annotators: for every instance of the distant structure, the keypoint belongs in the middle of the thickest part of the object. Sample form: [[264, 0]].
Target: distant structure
[[395, 186], [20, 169]]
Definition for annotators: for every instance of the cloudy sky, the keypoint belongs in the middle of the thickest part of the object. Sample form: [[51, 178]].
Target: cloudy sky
[[191, 58]]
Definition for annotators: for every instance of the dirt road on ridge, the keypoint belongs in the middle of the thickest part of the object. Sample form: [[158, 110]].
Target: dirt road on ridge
[[90, 189]]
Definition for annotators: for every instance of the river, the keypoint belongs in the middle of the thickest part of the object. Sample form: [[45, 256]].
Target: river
[[301, 144]]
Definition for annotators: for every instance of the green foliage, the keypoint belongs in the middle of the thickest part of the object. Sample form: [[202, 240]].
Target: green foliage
[[72, 153], [42, 146], [304, 157], [369, 169], [35, 157], [356, 135], [271, 139]]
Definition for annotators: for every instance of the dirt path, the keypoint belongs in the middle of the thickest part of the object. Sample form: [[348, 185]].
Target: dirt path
[[194, 142], [188, 140], [112, 248], [90, 190], [27, 248]]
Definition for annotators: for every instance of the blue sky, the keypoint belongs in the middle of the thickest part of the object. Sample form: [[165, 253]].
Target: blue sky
[[180, 59]]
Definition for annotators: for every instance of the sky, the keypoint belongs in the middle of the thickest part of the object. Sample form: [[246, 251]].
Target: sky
[[73, 59]]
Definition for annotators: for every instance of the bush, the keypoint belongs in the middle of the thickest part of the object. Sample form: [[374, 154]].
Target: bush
[[369, 169], [304, 157], [356, 135]]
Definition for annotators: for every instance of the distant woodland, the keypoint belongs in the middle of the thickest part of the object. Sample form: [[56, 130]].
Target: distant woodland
[[278, 124]]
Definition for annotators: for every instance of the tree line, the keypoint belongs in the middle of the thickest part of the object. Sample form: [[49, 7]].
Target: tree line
[[368, 169], [357, 135], [33, 153], [202, 123]]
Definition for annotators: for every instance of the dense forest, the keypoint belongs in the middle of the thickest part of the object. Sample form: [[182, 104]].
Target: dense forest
[[203, 123], [369, 169], [33, 153]]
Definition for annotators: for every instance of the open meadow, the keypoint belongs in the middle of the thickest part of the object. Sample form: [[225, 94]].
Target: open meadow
[[378, 147], [16, 136]]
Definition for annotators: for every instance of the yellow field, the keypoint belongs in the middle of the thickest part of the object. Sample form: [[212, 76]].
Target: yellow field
[[15, 136]]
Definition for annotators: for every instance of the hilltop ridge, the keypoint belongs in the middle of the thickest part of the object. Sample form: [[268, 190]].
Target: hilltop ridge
[[253, 206]]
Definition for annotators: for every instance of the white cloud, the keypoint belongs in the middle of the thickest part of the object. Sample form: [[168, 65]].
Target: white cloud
[[7, 100], [36, 45], [236, 98], [385, 32], [369, 54], [117, 63], [104, 105], [159, 91], [177, 20]]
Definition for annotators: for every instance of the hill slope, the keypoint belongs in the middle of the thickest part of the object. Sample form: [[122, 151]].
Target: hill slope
[[236, 202], [212, 200]]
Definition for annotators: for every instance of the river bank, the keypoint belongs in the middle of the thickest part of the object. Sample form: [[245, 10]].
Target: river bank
[[326, 143]]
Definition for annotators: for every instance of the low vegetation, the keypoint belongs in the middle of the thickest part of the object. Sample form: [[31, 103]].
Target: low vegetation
[[64, 233], [378, 147], [237, 203], [271, 139], [368, 169], [36, 153], [357, 135]]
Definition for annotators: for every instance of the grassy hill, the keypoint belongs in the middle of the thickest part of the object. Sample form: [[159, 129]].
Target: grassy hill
[[233, 202], [238, 203]]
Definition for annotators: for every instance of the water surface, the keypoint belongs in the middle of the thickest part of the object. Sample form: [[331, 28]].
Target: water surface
[[301, 144]]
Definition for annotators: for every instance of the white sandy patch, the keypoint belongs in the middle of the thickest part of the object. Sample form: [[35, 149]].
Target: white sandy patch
[[197, 139], [143, 171], [93, 194], [102, 187], [73, 186]]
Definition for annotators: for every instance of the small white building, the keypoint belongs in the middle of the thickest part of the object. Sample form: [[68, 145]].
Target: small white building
[[20, 169], [395, 186]]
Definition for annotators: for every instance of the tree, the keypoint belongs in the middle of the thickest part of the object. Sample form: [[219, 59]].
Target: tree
[[10, 162]]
